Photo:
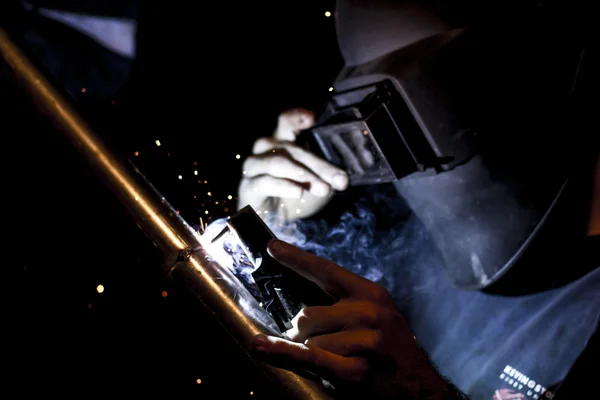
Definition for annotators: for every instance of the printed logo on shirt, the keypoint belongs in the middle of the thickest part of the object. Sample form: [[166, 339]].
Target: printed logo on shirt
[[522, 387]]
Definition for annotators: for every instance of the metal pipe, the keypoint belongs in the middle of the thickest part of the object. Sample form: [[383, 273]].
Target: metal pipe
[[186, 259]]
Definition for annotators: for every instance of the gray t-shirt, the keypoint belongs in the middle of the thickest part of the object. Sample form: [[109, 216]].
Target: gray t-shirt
[[496, 347], [491, 347]]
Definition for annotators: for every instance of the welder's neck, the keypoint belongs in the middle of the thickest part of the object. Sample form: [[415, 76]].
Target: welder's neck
[[594, 222]]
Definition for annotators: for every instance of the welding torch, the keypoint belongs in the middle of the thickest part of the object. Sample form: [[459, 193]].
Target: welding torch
[[283, 292]]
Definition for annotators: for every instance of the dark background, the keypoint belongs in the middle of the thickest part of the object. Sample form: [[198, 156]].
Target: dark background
[[208, 80]]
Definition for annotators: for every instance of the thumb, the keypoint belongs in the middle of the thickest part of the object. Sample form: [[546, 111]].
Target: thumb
[[291, 122]]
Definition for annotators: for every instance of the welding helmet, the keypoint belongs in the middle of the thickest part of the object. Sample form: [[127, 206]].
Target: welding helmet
[[472, 120]]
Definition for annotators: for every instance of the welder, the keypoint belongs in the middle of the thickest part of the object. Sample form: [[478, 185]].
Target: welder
[[498, 167]]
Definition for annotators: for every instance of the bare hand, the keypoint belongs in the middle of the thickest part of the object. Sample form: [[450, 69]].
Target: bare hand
[[361, 343], [280, 176]]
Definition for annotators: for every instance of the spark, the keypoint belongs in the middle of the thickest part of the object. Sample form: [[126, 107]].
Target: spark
[[195, 172], [238, 156], [331, 89], [230, 197], [180, 177], [157, 142], [100, 289], [327, 14]]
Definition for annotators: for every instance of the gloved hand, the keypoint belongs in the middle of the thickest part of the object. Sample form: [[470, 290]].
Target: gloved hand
[[361, 344], [282, 177]]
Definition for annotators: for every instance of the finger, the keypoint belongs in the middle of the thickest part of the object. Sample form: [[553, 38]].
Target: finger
[[329, 276], [331, 174], [270, 186], [299, 358], [291, 122], [344, 314], [348, 343], [359, 139], [262, 145], [280, 166], [351, 162]]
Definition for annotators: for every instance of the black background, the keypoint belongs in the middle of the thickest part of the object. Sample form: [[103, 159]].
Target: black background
[[208, 81]]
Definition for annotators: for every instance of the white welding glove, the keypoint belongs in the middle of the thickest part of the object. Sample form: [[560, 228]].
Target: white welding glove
[[280, 177]]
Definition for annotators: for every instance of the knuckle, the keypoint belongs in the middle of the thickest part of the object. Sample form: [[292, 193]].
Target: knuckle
[[261, 144], [328, 274], [284, 116], [396, 318], [303, 321], [248, 162], [307, 312], [291, 112], [328, 269], [297, 117], [376, 341], [369, 314], [380, 294]]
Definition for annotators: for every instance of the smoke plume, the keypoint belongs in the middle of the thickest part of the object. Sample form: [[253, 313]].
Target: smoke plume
[[376, 238]]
